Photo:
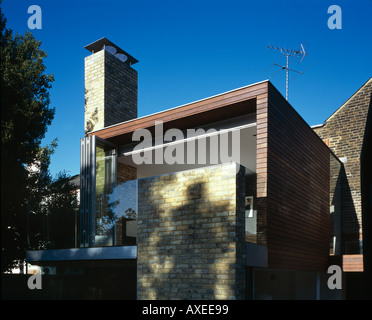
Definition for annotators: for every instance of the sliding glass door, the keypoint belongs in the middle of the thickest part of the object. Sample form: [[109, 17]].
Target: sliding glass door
[[97, 193]]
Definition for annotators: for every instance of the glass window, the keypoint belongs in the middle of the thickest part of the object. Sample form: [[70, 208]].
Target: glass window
[[108, 211], [126, 212], [105, 196]]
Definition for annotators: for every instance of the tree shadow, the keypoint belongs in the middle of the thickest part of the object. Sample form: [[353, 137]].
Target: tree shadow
[[196, 241], [93, 117]]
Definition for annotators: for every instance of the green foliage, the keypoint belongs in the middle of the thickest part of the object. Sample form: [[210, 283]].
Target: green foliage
[[52, 217], [25, 116], [25, 111]]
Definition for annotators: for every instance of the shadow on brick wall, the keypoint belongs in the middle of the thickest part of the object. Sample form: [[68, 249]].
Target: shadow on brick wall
[[349, 219], [195, 255], [366, 187]]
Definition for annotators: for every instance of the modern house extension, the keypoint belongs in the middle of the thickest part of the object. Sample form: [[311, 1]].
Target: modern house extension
[[230, 197]]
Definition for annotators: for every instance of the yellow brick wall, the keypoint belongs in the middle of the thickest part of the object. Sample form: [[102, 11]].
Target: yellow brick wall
[[191, 235], [110, 91]]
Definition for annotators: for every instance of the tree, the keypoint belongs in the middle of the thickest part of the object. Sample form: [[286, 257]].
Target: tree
[[62, 211], [52, 213], [25, 116]]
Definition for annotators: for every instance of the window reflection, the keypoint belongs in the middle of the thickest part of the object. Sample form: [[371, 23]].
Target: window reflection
[[250, 209], [105, 197], [116, 201], [126, 213]]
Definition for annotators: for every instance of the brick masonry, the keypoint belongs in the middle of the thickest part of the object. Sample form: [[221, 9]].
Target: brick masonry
[[110, 91], [191, 235], [344, 133], [94, 91], [337, 177], [125, 172]]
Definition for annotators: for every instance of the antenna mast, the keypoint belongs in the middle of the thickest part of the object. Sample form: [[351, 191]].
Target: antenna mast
[[289, 53]]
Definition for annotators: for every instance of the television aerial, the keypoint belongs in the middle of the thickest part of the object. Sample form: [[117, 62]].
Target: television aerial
[[289, 53]]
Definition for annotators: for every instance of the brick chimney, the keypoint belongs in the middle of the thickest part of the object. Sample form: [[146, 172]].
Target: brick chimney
[[110, 86]]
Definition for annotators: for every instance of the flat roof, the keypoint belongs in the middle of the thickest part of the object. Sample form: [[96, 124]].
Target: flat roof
[[219, 107], [98, 45]]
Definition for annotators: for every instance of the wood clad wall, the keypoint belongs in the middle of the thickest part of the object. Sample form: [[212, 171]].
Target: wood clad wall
[[352, 263], [297, 190], [261, 165]]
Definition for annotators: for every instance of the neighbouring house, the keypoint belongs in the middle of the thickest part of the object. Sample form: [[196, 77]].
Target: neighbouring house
[[233, 196], [345, 132]]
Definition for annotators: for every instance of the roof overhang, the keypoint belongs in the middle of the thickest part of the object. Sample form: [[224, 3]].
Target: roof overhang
[[224, 106]]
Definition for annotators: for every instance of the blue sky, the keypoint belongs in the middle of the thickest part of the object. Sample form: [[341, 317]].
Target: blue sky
[[189, 50]]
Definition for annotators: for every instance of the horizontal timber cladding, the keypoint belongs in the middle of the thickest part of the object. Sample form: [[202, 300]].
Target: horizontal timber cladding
[[191, 234], [261, 150], [352, 263], [298, 234], [261, 166]]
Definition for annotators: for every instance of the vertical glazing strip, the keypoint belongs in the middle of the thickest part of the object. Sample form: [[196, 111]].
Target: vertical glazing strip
[[92, 191], [114, 153], [88, 171], [87, 191], [83, 192]]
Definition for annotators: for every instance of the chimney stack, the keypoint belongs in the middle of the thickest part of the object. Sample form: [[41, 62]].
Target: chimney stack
[[110, 86]]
